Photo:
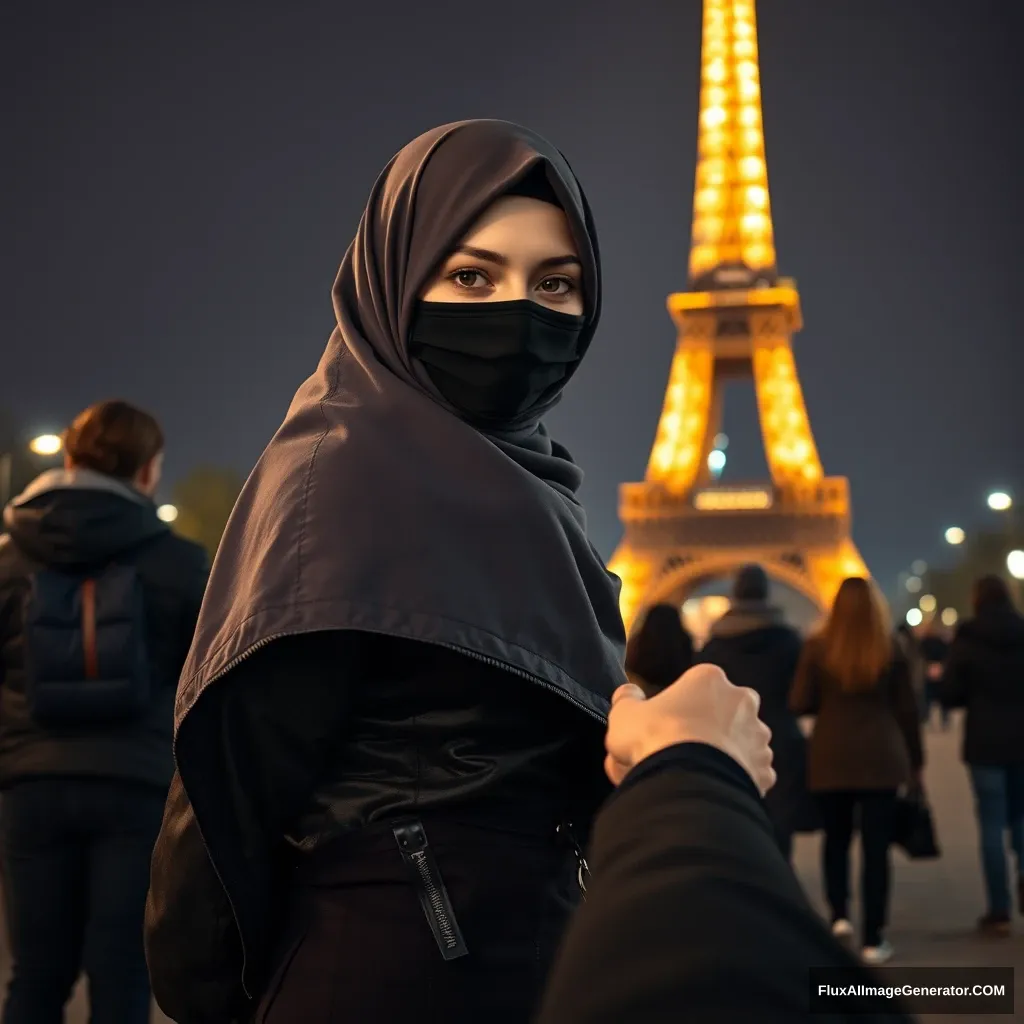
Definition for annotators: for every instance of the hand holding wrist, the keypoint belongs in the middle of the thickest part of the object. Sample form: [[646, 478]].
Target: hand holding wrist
[[702, 706]]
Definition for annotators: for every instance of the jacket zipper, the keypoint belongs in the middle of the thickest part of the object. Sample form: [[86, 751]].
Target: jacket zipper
[[495, 663], [239, 658]]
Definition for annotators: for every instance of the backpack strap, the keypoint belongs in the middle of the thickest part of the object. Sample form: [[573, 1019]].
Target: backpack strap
[[88, 592]]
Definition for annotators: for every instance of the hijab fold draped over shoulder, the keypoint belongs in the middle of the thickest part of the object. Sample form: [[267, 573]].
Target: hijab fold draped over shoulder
[[375, 508]]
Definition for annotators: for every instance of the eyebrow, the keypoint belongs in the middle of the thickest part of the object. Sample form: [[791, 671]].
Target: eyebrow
[[489, 256]]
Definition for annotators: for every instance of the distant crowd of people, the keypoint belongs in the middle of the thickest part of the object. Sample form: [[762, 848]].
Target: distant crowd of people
[[384, 761], [869, 692]]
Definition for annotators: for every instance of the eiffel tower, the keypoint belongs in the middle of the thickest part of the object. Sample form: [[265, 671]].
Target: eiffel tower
[[735, 320]]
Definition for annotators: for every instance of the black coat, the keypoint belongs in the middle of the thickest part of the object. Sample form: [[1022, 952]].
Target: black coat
[[317, 736], [82, 520], [764, 658], [692, 913], [985, 674]]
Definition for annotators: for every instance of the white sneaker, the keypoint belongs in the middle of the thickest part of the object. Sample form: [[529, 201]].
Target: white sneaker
[[841, 928], [875, 955]]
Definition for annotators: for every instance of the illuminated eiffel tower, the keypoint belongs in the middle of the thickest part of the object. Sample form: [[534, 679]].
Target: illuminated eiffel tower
[[734, 321]]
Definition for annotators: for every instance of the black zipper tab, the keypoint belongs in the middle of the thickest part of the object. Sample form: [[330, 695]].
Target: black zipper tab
[[416, 852]]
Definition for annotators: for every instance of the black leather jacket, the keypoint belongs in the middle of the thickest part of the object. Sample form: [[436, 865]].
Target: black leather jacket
[[318, 735]]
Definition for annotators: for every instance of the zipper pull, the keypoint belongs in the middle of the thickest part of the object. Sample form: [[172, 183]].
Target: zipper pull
[[426, 876]]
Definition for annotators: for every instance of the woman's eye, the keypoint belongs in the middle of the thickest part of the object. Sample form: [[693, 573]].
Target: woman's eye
[[556, 286], [468, 279]]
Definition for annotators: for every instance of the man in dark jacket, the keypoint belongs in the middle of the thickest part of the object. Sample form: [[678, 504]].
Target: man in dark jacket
[[89, 578], [985, 674], [692, 913], [753, 645]]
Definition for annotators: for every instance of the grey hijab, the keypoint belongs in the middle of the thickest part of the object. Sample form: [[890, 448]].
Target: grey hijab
[[375, 508]]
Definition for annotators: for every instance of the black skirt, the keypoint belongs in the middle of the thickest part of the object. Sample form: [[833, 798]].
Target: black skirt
[[358, 946]]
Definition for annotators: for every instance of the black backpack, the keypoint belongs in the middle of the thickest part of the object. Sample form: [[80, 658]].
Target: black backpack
[[85, 647]]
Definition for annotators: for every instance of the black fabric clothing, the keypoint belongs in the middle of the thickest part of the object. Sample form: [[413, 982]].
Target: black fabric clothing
[[763, 655], [315, 738], [74, 859], [873, 811], [512, 893], [492, 360], [985, 675], [76, 520], [911, 650], [430, 730], [376, 507], [691, 913], [934, 649], [864, 740]]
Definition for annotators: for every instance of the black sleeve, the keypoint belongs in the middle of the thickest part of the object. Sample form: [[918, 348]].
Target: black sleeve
[[907, 712], [692, 912], [953, 685], [192, 946], [805, 695], [249, 754]]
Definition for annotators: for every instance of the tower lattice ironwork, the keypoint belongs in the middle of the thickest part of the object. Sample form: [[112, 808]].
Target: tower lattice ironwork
[[735, 320]]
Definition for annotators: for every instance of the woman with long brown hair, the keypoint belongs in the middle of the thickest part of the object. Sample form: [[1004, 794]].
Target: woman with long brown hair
[[865, 746]]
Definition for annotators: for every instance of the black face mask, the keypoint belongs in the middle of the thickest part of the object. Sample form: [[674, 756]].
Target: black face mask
[[494, 361]]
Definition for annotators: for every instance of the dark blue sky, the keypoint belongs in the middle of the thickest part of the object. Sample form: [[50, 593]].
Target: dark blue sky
[[181, 180]]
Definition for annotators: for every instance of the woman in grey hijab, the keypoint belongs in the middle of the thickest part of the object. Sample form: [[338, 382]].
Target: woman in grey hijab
[[388, 734]]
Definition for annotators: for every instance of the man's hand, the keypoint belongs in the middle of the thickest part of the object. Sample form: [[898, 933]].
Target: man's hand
[[702, 706]]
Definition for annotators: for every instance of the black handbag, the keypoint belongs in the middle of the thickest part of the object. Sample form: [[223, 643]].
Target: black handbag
[[913, 826]]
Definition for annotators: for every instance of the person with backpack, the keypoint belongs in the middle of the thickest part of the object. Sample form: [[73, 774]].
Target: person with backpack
[[98, 604]]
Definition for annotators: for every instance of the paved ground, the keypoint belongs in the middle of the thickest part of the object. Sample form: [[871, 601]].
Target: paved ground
[[934, 903]]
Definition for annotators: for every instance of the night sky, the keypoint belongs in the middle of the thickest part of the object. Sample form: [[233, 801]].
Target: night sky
[[181, 180]]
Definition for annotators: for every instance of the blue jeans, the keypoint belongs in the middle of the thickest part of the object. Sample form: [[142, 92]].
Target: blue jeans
[[75, 856], [999, 800]]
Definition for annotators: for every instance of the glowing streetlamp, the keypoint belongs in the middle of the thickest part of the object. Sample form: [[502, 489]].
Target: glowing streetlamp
[[954, 535], [1015, 564], [1000, 501], [167, 513], [46, 444], [949, 616], [927, 603], [915, 617], [913, 584], [716, 462]]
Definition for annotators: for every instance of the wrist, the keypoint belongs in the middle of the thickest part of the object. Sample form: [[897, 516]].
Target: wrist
[[678, 734]]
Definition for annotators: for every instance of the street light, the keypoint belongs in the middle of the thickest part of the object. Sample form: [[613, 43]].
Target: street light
[[1015, 564], [927, 603], [167, 513], [46, 444], [954, 535], [949, 616], [999, 501], [913, 584], [914, 617]]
